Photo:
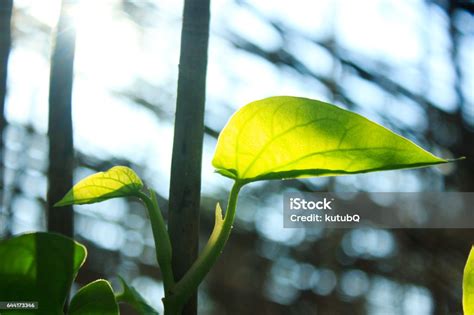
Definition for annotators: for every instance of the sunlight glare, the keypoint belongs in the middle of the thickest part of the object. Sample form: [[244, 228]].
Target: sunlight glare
[[106, 44]]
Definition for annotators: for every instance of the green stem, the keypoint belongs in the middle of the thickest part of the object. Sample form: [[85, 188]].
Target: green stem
[[162, 241], [184, 288]]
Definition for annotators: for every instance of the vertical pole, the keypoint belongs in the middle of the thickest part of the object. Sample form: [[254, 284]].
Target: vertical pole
[[61, 149], [185, 186], [61, 153], [6, 8]]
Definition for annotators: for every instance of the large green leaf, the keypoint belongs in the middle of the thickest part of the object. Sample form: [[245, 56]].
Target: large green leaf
[[39, 267], [468, 285], [132, 297], [96, 298], [289, 137], [119, 181]]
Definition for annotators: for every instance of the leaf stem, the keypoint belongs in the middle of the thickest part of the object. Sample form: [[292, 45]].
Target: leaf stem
[[162, 241], [185, 287]]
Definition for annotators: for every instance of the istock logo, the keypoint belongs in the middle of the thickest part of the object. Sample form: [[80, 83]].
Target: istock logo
[[302, 204], [382, 209], [313, 209]]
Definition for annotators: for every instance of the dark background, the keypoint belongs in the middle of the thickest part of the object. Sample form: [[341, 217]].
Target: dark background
[[408, 65]]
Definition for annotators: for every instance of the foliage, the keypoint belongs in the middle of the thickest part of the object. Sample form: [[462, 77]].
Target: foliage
[[41, 267], [96, 298], [119, 181], [290, 137], [38, 267], [468, 285], [131, 296], [274, 138]]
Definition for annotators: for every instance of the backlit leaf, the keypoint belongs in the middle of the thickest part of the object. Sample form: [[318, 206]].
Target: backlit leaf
[[39, 267], [468, 285], [119, 181], [289, 137], [96, 298]]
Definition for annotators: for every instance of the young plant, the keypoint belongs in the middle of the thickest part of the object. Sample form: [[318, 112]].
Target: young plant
[[275, 138]]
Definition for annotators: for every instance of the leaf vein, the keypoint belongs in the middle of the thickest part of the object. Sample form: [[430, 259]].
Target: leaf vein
[[265, 147], [332, 151]]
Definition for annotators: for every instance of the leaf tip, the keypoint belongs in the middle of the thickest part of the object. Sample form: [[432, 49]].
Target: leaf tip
[[61, 203], [457, 159], [124, 286]]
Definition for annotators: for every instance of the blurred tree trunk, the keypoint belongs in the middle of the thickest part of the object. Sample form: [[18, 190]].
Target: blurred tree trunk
[[61, 154], [185, 186], [6, 8]]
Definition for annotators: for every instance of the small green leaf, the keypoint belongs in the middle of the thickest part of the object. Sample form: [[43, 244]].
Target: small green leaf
[[468, 285], [132, 297], [290, 137], [119, 181], [218, 224], [96, 298], [39, 267]]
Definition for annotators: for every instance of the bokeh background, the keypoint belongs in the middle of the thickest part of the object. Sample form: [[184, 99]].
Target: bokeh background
[[407, 64]]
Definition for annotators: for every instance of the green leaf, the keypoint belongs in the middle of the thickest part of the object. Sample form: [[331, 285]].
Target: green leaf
[[468, 285], [96, 298], [119, 181], [39, 267], [132, 297], [218, 225], [290, 137]]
